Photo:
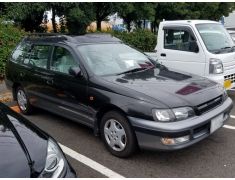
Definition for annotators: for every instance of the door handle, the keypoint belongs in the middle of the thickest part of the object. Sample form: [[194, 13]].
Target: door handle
[[163, 54], [50, 81], [22, 74]]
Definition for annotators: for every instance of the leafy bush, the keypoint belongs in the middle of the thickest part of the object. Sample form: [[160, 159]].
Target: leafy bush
[[9, 37], [142, 39]]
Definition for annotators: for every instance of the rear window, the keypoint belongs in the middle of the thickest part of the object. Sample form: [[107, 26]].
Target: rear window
[[39, 56], [21, 52]]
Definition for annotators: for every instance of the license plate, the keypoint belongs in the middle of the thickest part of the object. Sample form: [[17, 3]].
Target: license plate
[[216, 123], [227, 84]]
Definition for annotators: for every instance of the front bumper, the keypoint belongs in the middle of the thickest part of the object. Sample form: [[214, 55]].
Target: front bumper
[[149, 133]]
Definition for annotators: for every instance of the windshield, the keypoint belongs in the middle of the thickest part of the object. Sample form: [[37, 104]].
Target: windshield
[[109, 59], [233, 36], [215, 37]]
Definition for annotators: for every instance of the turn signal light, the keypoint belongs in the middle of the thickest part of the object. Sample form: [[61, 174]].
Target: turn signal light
[[174, 141]]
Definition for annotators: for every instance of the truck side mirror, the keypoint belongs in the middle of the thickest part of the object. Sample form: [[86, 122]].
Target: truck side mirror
[[193, 47]]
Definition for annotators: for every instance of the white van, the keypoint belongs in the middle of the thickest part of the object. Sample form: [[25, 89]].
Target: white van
[[201, 47]]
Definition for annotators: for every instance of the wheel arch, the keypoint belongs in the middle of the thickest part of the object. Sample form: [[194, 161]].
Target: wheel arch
[[102, 111]]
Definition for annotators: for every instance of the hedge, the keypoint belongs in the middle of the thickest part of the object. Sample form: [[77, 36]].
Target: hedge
[[142, 39], [9, 37]]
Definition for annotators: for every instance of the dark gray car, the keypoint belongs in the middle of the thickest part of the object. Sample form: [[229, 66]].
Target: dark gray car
[[127, 98]]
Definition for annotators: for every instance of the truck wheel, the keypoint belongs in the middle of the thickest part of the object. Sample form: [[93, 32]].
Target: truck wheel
[[23, 101], [117, 134]]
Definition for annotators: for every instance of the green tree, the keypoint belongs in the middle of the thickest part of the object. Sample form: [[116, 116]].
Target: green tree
[[144, 11], [127, 12], [191, 10], [28, 16], [2, 8], [59, 9], [78, 16], [102, 10], [135, 12]]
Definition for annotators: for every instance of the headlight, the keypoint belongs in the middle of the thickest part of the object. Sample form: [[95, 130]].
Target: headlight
[[164, 115], [183, 113], [176, 114], [55, 162], [216, 66]]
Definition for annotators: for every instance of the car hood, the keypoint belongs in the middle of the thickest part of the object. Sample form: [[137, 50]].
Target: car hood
[[172, 88], [14, 161]]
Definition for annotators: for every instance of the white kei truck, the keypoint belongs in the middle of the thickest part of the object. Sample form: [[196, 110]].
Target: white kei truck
[[199, 47]]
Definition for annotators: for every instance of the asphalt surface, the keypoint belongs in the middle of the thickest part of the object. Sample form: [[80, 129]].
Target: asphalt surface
[[212, 157]]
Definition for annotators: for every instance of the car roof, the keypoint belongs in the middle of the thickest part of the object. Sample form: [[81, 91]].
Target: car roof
[[189, 22], [92, 38]]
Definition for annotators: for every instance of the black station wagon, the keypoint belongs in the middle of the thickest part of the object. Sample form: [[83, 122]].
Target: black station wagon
[[127, 98]]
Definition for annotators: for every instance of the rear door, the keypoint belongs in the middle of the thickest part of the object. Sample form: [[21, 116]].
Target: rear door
[[37, 75], [181, 50], [69, 93], [15, 70]]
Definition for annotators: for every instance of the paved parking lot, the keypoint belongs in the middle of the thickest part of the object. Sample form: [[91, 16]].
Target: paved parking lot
[[212, 157]]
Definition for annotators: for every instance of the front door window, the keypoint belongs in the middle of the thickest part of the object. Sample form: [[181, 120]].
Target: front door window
[[62, 60]]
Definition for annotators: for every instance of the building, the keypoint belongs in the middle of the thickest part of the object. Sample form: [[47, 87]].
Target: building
[[229, 22]]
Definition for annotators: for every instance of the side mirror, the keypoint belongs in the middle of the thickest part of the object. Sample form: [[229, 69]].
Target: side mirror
[[75, 71], [193, 47]]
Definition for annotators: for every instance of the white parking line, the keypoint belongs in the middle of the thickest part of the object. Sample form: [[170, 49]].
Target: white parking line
[[232, 116], [229, 127], [89, 162]]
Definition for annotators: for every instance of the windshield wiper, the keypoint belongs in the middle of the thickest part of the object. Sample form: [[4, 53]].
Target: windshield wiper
[[133, 70], [224, 48], [227, 47]]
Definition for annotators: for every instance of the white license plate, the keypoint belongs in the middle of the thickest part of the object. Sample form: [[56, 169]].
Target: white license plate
[[216, 123]]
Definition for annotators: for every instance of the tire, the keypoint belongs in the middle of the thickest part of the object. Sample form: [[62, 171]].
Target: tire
[[118, 135], [23, 101]]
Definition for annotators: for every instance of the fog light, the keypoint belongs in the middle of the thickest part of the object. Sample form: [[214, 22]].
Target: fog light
[[182, 139], [174, 141]]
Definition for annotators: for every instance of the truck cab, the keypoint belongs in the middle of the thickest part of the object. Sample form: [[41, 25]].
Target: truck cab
[[200, 47]]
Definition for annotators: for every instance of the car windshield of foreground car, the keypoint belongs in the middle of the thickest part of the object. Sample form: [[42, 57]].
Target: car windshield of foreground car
[[216, 38], [109, 59]]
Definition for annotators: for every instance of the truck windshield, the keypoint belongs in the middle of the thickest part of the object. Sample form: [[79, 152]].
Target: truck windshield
[[216, 38]]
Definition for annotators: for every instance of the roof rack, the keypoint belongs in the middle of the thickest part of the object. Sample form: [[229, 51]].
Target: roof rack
[[63, 36], [80, 39], [46, 34]]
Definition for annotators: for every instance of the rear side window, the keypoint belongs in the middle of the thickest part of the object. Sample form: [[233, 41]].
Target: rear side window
[[177, 39], [39, 56], [21, 52]]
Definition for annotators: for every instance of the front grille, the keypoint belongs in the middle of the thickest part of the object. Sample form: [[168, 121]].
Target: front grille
[[202, 108], [230, 77]]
